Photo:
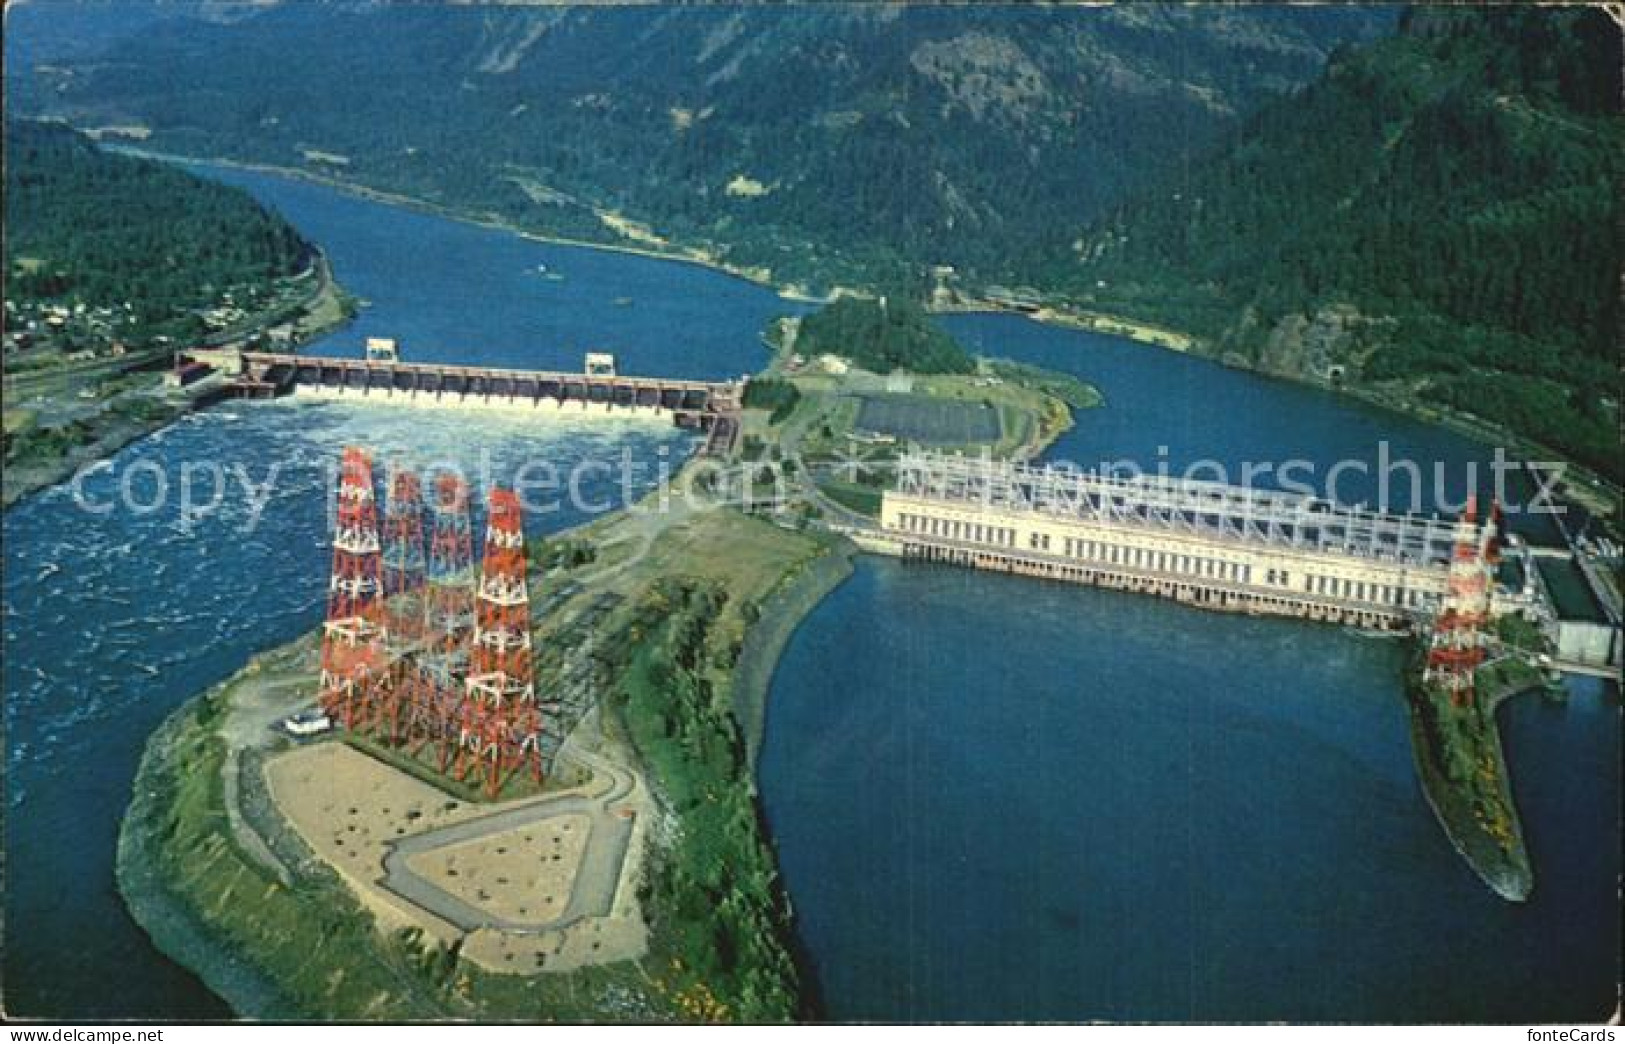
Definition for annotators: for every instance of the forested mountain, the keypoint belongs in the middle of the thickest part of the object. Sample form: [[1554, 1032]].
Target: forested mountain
[[85, 226], [1439, 216], [821, 142], [1435, 215]]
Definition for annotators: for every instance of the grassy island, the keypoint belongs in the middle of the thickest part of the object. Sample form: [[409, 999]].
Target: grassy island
[[1463, 771], [658, 641], [663, 636]]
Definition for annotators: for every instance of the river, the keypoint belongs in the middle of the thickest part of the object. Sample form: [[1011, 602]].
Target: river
[[1009, 800]]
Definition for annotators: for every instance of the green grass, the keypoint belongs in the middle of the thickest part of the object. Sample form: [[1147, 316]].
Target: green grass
[[314, 940], [1463, 771], [1074, 391], [1506, 676], [1520, 633], [719, 935], [722, 928], [17, 420], [865, 500]]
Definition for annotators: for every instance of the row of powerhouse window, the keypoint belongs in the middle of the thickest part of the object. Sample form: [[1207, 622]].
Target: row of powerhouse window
[[1162, 561]]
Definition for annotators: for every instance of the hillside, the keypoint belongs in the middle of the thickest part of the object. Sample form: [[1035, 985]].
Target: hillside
[[1432, 219], [1437, 218], [818, 143], [110, 232], [113, 262], [882, 336]]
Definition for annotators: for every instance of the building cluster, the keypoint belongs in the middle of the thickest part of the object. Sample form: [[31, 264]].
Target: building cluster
[[421, 651], [75, 331]]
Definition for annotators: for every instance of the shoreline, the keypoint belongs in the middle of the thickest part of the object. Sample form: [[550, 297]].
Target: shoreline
[[1600, 501], [185, 761], [167, 825], [47, 475], [765, 643], [173, 926], [440, 210]]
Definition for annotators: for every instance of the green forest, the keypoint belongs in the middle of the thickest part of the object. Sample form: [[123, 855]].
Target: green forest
[[1450, 200], [1426, 216], [882, 336], [87, 226]]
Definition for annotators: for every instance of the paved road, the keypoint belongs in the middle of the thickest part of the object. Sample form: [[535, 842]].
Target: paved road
[[256, 708], [597, 879]]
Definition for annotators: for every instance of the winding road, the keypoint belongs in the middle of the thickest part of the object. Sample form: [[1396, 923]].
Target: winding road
[[597, 878]]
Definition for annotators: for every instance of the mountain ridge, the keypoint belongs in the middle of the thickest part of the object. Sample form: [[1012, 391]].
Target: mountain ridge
[[1437, 219], [825, 144]]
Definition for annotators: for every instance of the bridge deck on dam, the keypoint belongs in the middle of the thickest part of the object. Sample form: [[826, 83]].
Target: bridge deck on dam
[[267, 373]]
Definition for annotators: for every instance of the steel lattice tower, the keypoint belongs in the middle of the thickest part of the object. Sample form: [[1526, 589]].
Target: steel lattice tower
[[1457, 649], [501, 729], [403, 607], [434, 696], [354, 661], [404, 564]]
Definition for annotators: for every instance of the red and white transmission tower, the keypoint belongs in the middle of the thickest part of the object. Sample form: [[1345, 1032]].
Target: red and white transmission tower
[[1457, 648], [354, 661], [403, 580], [404, 565], [501, 720], [449, 598], [433, 689]]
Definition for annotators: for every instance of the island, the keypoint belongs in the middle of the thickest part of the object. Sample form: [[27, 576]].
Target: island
[[329, 875], [1461, 765]]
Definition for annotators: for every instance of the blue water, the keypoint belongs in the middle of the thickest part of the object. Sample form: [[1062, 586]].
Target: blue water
[[1195, 418], [1215, 774], [111, 619], [453, 292], [995, 798]]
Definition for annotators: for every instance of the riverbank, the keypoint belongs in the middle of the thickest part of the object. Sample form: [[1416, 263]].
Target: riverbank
[[676, 253], [84, 443], [140, 406], [656, 611], [1583, 486], [765, 642], [1462, 769], [272, 949], [1097, 322], [1600, 498], [1078, 319]]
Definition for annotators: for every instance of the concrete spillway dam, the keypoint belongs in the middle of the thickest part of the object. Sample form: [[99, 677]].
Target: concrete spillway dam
[[710, 406], [267, 373], [1208, 544]]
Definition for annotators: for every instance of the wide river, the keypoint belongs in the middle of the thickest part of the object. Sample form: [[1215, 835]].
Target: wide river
[[992, 797]]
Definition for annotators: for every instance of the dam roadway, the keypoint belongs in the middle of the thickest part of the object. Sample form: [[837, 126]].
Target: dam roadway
[[711, 406]]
